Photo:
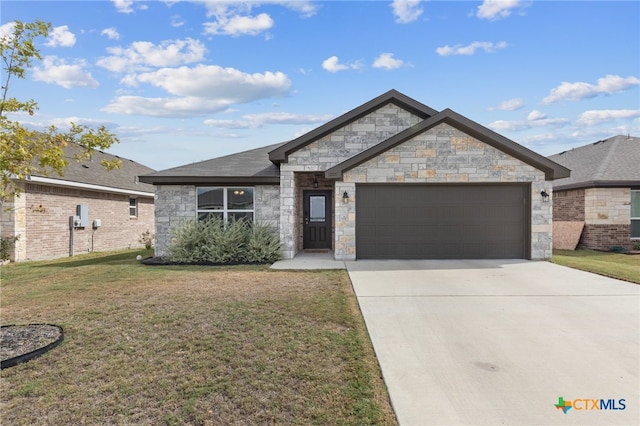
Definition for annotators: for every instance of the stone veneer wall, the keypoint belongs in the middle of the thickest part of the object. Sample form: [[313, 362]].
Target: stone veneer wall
[[177, 203], [443, 154], [607, 206], [325, 153]]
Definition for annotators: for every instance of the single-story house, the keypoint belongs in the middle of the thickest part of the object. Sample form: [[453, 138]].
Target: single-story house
[[87, 209], [603, 192], [392, 178]]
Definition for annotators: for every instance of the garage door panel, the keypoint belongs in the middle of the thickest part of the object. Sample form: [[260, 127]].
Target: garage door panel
[[442, 221]]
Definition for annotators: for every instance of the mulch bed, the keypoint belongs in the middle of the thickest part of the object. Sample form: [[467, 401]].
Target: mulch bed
[[162, 261], [20, 343]]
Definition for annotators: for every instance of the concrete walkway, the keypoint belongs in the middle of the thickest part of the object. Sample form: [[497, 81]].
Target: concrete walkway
[[498, 342], [308, 261]]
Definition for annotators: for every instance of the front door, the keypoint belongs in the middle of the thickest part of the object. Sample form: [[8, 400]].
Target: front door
[[317, 219]]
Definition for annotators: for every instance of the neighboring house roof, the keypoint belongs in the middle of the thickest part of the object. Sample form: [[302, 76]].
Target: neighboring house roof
[[551, 169], [613, 162], [91, 174], [246, 167], [392, 96]]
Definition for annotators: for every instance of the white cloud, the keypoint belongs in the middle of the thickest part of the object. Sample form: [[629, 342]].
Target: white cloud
[[212, 81], [534, 119], [234, 17], [6, 31], [123, 6], [177, 21], [536, 115], [253, 121], [497, 9], [406, 11], [61, 36], [387, 61], [144, 54], [111, 33], [593, 117], [58, 71], [509, 105], [606, 85], [470, 49], [333, 64], [239, 25], [199, 91], [165, 107], [233, 7]]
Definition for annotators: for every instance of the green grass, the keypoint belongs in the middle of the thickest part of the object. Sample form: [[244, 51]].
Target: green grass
[[189, 345], [616, 265]]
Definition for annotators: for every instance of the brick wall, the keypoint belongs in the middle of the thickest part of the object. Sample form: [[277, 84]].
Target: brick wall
[[568, 205], [46, 210], [603, 237], [605, 211]]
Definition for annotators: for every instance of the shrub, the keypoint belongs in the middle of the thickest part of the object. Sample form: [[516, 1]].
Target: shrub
[[147, 238], [6, 244], [214, 242]]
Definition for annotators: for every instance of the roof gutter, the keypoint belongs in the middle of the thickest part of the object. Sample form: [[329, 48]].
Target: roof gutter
[[66, 183], [599, 184], [196, 180]]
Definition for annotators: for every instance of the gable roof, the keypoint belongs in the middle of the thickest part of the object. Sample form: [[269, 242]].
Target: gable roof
[[392, 96], [247, 167], [92, 174], [551, 169], [613, 162]]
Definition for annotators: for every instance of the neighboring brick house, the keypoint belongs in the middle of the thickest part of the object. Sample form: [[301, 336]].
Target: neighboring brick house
[[392, 178], [603, 192], [117, 209]]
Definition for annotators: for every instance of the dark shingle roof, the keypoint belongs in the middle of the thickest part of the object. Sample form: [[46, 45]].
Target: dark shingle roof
[[92, 172], [610, 162], [251, 166]]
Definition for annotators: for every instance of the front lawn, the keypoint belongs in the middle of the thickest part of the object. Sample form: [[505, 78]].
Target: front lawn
[[189, 345], [616, 265]]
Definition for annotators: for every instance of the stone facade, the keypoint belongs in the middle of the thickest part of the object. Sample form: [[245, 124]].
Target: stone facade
[[441, 155], [444, 154], [40, 218], [177, 203], [327, 152]]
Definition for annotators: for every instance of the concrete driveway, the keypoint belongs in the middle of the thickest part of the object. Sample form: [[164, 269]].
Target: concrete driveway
[[499, 342]]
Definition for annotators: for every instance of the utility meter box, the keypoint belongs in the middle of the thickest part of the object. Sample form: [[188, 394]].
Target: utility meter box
[[82, 211], [97, 223], [74, 221]]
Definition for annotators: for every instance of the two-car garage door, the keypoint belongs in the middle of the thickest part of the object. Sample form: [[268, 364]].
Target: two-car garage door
[[483, 221]]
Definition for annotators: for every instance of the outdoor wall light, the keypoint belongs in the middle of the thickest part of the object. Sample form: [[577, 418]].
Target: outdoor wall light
[[345, 197], [315, 182], [545, 196]]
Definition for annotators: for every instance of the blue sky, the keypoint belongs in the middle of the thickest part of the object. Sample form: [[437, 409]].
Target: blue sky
[[185, 81]]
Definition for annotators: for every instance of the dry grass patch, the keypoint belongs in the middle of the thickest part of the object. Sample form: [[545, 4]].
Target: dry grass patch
[[190, 345]]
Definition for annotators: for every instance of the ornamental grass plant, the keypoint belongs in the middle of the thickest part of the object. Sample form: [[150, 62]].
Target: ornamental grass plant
[[214, 241]]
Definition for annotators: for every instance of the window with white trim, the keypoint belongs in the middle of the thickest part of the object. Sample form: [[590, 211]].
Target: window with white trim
[[133, 207], [227, 203], [635, 214]]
